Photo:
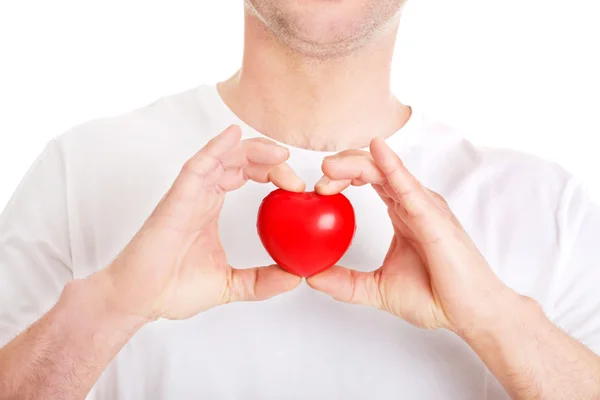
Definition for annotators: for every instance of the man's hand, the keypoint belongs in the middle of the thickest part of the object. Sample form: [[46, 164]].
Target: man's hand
[[175, 267], [433, 275]]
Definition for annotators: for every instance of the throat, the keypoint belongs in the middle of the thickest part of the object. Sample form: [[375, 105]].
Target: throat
[[309, 121]]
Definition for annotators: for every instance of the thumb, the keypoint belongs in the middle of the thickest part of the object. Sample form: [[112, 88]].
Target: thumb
[[200, 169], [257, 284], [349, 286], [186, 203]]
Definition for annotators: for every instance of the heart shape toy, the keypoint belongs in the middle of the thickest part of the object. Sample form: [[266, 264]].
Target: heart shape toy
[[305, 233]]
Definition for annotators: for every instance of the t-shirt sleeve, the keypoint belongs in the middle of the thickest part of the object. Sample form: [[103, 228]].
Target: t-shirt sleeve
[[34, 245], [577, 289]]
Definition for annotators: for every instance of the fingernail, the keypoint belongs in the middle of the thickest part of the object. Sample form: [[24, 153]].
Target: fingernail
[[282, 150], [324, 181], [333, 158], [300, 185]]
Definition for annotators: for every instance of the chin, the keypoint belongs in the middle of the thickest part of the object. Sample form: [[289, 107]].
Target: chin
[[326, 22], [325, 27]]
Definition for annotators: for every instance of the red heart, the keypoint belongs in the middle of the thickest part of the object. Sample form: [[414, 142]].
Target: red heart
[[305, 233]]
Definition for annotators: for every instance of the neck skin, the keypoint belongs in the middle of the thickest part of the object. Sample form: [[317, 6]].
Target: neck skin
[[324, 104]]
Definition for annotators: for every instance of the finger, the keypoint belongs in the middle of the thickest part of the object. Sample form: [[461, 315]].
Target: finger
[[204, 160], [232, 179], [256, 284], [328, 187], [251, 151], [349, 286], [203, 167], [355, 168], [359, 167], [284, 177], [223, 142], [438, 199], [407, 189], [427, 219], [265, 152]]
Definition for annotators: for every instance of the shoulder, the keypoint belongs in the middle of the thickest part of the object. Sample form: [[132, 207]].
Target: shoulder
[[530, 193], [125, 163], [177, 117], [501, 173], [521, 174]]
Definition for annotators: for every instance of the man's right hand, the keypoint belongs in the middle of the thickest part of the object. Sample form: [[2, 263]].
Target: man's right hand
[[175, 266]]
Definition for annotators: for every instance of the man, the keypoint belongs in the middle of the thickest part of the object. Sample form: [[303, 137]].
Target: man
[[131, 253]]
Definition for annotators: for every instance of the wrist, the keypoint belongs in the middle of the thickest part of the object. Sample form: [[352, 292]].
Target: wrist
[[505, 322], [97, 298]]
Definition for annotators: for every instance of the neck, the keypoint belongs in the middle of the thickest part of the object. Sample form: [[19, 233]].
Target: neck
[[328, 104]]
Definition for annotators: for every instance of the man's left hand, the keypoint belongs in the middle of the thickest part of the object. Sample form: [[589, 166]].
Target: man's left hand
[[433, 275]]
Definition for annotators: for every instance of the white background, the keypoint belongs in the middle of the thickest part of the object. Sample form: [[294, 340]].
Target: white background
[[512, 73]]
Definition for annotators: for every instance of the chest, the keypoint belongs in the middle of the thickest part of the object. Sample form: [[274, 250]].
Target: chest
[[299, 345], [302, 344]]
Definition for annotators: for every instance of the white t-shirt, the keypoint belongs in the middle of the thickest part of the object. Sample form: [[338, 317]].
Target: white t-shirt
[[93, 187]]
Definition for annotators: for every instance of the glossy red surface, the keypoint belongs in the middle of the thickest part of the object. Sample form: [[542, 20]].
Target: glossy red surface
[[305, 233]]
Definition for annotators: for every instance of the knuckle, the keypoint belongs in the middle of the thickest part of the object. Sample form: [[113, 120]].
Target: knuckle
[[438, 197], [200, 165], [226, 295], [379, 299], [358, 182], [189, 168]]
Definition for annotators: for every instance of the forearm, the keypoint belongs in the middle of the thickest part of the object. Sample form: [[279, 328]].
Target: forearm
[[534, 359], [62, 355]]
